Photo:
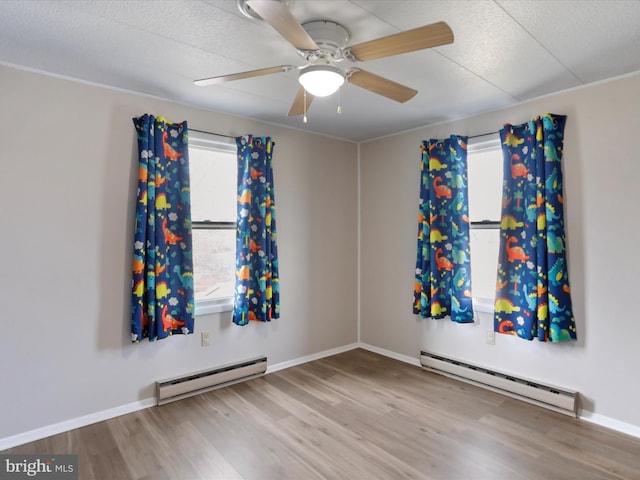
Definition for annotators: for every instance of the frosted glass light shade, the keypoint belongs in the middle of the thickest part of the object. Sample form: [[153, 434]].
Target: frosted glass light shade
[[321, 80]]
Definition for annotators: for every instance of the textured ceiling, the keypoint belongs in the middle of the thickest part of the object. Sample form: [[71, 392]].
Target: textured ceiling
[[505, 51]]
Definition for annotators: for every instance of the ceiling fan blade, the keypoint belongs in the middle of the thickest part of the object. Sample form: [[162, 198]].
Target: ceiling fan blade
[[239, 76], [381, 86], [298, 107], [280, 18], [419, 38]]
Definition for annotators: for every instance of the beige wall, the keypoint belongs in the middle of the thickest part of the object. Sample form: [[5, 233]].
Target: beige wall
[[67, 184], [67, 190], [602, 197]]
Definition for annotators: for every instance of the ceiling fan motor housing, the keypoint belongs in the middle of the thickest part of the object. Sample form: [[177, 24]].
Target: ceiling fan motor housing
[[331, 38]]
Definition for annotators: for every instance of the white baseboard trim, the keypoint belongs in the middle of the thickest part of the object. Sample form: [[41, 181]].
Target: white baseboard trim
[[390, 354], [65, 426], [311, 358], [611, 423]]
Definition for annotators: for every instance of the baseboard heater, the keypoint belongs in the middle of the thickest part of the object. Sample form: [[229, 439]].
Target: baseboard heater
[[547, 396], [195, 383]]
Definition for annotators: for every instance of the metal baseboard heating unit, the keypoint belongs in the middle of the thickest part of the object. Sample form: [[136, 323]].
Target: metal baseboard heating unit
[[547, 396], [195, 383]]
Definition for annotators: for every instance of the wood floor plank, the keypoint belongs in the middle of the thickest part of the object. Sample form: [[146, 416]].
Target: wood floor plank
[[255, 452], [608, 458], [430, 450], [138, 449], [353, 416]]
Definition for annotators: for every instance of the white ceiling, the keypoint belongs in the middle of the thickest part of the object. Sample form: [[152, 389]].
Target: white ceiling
[[505, 51]]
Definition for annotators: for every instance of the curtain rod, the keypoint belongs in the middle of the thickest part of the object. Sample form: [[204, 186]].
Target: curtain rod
[[483, 134], [210, 133]]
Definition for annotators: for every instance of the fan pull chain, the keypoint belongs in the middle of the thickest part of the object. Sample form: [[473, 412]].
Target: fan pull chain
[[339, 101], [304, 118]]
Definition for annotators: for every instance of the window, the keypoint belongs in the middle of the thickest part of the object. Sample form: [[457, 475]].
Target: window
[[484, 164], [213, 176]]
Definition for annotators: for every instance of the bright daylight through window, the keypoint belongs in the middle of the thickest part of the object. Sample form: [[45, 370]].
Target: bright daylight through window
[[213, 176], [484, 165]]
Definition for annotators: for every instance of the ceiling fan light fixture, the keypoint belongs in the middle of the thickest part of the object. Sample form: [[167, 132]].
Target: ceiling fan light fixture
[[321, 80]]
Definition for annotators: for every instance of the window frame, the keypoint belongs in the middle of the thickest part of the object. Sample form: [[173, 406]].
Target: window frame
[[484, 143], [216, 143]]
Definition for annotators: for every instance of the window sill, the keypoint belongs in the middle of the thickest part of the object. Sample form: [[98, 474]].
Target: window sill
[[217, 305], [483, 305]]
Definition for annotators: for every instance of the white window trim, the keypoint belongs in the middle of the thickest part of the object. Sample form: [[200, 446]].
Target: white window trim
[[475, 145], [206, 306], [483, 142], [212, 142], [483, 305], [209, 141]]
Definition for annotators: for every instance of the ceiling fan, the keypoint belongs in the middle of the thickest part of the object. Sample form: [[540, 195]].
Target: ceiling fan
[[323, 45]]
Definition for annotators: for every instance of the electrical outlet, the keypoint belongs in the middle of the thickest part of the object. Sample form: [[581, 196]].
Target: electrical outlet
[[491, 337], [205, 339]]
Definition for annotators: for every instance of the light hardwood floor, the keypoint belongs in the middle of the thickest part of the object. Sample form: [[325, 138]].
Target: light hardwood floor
[[354, 416]]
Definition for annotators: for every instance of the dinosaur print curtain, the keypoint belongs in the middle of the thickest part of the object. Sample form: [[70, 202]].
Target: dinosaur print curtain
[[257, 292], [162, 297], [443, 271], [533, 297]]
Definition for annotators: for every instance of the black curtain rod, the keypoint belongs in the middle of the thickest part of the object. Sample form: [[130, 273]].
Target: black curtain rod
[[210, 133], [483, 134]]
